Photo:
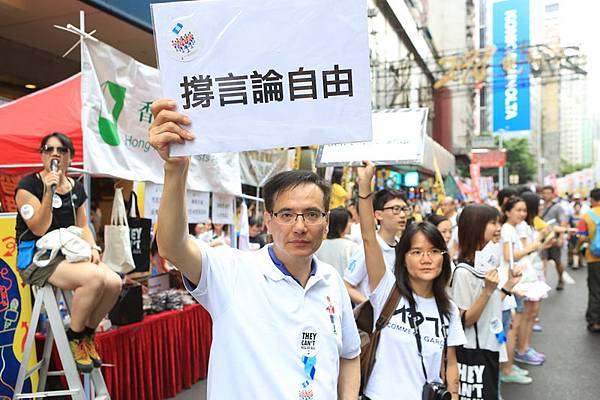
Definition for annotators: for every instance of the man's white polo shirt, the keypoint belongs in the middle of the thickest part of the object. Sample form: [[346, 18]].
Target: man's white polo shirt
[[272, 338], [356, 273]]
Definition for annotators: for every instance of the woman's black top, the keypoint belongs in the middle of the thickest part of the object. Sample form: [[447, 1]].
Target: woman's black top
[[62, 217]]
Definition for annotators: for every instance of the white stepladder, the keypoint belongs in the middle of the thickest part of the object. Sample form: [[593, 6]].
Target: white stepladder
[[46, 296]]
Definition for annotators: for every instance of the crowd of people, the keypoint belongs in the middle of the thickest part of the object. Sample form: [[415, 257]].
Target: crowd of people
[[489, 306], [465, 281]]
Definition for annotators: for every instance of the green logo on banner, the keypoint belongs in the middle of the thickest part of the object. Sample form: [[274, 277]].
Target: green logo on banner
[[108, 127]]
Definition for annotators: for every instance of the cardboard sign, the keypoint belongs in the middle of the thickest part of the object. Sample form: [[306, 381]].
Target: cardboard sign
[[398, 138], [266, 74]]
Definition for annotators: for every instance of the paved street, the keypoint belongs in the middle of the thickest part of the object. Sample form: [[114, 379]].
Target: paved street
[[573, 354], [572, 369]]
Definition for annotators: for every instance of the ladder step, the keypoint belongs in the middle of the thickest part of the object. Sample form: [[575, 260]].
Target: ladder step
[[46, 394], [34, 369]]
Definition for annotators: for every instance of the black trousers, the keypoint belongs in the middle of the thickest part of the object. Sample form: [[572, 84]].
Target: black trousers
[[592, 314]]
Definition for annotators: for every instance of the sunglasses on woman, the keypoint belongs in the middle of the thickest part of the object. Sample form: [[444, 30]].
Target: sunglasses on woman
[[50, 149]]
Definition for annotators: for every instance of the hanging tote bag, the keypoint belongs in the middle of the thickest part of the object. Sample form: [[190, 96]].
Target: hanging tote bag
[[479, 372], [117, 243], [478, 368], [139, 234]]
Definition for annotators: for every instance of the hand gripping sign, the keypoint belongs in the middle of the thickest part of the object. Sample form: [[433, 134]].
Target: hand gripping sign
[[265, 74]]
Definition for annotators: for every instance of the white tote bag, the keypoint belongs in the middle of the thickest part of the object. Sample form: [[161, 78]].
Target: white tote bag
[[117, 253]]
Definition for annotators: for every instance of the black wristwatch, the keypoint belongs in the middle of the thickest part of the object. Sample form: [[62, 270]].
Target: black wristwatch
[[506, 291]]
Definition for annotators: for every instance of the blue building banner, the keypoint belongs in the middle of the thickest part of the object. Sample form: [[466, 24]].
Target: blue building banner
[[510, 72]]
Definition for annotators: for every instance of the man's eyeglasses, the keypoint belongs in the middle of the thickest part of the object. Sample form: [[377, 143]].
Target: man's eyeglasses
[[50, 149], [398, 209], [309, 217], [433, 253]]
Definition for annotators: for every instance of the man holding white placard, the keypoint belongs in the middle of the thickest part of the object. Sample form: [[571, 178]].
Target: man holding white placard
[[283, 326]]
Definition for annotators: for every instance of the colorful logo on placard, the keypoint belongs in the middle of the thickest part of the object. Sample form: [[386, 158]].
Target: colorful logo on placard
[[184, 41]]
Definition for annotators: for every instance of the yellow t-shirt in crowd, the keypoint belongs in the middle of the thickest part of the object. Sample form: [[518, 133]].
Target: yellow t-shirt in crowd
[[338, 196], [538, 223]]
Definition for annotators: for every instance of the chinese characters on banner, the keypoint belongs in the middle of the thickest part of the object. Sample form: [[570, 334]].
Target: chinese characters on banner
[[223, 208], [197, 203], [198, 90], [250, 83]]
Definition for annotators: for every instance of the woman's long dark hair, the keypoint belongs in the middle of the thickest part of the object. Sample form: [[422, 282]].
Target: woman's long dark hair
[[338, 220], [532, 201], [433, 235], [471, 230]]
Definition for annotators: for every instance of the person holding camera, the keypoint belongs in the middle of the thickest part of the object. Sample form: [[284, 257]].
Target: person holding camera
[[415, 357]]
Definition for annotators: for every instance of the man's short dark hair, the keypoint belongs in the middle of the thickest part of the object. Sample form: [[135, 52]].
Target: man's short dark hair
[[595, 194], [291, 179], [385, 195], [548, 187]]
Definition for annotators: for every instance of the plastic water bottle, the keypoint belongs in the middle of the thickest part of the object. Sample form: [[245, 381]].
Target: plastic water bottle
[[64, 313]]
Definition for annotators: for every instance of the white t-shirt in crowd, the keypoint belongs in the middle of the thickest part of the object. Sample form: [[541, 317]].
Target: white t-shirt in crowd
[[356, 273], [337, 253], [466, 288], [508, 234], [272, 338], [397, 373], [355, 234]]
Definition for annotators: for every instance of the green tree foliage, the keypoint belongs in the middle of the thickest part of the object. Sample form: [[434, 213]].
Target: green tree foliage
[[519, 159]]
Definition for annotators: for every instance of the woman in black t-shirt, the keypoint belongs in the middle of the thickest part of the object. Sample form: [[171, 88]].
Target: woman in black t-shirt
[[41, 210]]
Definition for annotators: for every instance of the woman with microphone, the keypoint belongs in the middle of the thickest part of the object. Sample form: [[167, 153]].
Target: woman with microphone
[[49, 200]]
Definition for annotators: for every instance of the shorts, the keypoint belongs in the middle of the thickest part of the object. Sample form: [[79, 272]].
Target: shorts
[[553, 253], [506, 321], [38, 276], [520, 304]]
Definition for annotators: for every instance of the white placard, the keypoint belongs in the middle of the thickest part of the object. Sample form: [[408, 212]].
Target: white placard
[[265, 74], [398, 138], [223, 208], [197, 203]]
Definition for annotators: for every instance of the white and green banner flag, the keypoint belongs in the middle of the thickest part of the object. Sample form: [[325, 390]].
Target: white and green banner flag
[[116, 94]]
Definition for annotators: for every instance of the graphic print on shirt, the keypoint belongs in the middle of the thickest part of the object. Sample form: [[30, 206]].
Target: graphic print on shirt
[[308, 345], [405, 327], [331, 310]]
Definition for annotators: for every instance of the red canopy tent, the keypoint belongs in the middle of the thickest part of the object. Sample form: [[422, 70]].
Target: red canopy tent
[[25, 121]]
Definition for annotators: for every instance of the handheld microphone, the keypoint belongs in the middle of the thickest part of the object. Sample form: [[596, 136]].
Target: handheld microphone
[[53, 168]]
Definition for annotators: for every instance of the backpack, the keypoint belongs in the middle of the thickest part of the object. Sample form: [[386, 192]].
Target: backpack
[[595, 243]]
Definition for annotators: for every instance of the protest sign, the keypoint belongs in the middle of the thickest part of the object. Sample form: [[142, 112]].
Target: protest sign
[[398, 138], [197, 203], [259, 75], [223, 209]]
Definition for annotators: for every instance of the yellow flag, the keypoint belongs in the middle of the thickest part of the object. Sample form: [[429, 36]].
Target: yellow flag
[[438, 186]]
